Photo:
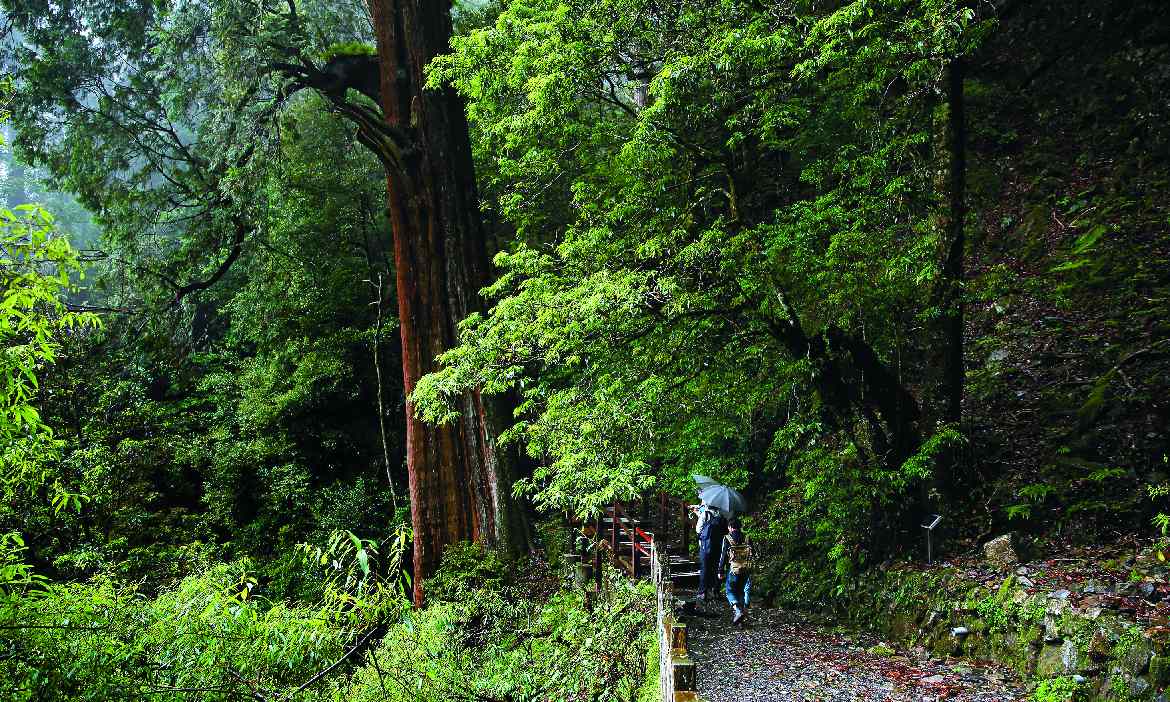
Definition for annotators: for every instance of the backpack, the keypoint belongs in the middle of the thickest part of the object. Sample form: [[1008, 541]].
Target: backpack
[[739, 556]]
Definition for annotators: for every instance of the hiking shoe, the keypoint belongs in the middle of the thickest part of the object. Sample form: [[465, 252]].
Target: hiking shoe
[[739, 615]]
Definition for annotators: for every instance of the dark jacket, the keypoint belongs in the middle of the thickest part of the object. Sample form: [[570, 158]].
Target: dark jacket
[[713, 529]]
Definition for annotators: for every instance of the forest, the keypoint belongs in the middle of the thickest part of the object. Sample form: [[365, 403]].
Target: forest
[[337, 337]]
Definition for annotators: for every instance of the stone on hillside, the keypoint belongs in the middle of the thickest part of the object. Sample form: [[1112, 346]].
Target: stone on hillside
[[1001, 553], [1099, 646], [1138, 688], [1136, 659], [1056, 606], [1160, 671], [1069, 656], [1050, 662], [1051, 630], [1148, 590]]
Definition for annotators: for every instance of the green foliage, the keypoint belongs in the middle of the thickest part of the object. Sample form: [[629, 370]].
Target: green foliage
[[348, 48], [467, 568], [104, 641], [1161, 520], [36, 266], [1034, 494], [495, 629], [513, 637], [938, 448], [1062, 689], [215, 632], [701, 266], [503, 630], [259, 432], [651, 686], [1128, 639], [363, 580], [15, 573]]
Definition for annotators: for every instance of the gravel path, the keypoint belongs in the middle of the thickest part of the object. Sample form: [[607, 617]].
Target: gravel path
[[784, 657]]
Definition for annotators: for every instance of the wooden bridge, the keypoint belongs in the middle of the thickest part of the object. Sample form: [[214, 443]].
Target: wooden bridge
[[651, 538], [625, 533]]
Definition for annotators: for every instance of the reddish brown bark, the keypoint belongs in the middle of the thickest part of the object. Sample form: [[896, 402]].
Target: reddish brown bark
[[459, 481]]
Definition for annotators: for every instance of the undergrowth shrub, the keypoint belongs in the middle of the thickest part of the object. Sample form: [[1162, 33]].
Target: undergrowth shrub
[[497, 629], [103, 640], [493, 629]]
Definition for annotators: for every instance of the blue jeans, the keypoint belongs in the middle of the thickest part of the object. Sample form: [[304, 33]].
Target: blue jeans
[[739, 589], [706, 566]]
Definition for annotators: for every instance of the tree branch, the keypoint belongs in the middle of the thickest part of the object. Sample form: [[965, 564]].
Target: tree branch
[[237, 248]]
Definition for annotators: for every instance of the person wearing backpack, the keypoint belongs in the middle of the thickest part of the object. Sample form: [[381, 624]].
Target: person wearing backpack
[[736, 562]]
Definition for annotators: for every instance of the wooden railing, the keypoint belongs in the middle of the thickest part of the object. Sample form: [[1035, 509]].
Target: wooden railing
[[624, 536], [623, 540], [673, 516], [624, 530], [676, 671]]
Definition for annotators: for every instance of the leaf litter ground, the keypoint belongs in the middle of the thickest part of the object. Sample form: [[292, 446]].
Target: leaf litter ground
[[782, 656]]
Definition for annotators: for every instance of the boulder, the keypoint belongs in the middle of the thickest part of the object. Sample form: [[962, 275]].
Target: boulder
[[1149, 591], [1160, 670], [1136, 659], [1050, 663], [1138, 688], [1069, 656], [1051, 630], [1056, 606], [1099, 646], [1001, 553]]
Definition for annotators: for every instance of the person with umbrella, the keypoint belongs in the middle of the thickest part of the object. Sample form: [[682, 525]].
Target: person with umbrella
[[717, 502], [710, 526]]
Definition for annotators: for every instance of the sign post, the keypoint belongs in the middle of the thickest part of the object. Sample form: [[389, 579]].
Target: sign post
[[936, 518]]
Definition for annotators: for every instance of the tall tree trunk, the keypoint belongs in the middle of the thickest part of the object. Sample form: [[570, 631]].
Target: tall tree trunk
[[459, 479], [953, 370]]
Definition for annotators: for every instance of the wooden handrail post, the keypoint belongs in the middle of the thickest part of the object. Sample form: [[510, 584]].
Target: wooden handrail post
[[571, 545], [613, 533], [597, 554], [663, 518], [683, 674], [633, 555], [686, 534], [676, 670]]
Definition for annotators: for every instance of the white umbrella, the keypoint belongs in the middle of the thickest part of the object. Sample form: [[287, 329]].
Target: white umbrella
[[703, 481], [724, 498]]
